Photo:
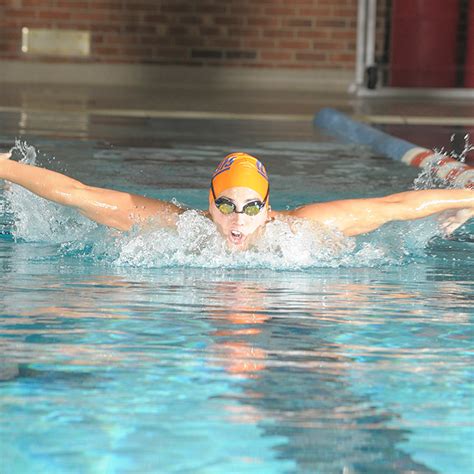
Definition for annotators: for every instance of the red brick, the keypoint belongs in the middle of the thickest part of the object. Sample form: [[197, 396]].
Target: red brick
[[241, 55], [136, 51], [155, 18], [263, 21], [191, 20], [298, 22], [109, 5], [106, 50], [190, 42], [276, 55], [345, 12], [207, 54], [331, 23], [155, 40], [245, 10], [327, 45], [130, 5], [228, 20], [313, 34], [91, 16], [294, 44], [333, 3], [244, 32], [172, 53], [304, 65], [72, 5], [12, 14], [122, 39], [177, 8], [210, 30], [100, 27], [278, 33], [97, 39], [259, 43], [31, 3], [212, 9], [310, 57], [283, 11], [340, 57], [139, 30], [220, 43], [315, 12], [346, 34], [265, 2], [54, 15], [177, 30], [250, 33]]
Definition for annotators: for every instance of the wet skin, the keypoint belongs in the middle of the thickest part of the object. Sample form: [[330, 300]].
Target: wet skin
[[351, 217], [239, 230]]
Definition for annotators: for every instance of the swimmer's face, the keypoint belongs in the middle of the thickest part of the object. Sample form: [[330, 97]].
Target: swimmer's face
[[239, 229]]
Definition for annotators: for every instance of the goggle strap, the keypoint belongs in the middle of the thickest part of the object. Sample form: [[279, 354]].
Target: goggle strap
[[214, 193], [212, 189]]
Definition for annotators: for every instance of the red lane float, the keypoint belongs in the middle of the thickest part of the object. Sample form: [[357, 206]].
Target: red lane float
[[446, 168], [346, 129]]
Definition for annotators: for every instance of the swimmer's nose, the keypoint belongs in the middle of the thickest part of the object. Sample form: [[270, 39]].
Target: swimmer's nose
[[239, 217]]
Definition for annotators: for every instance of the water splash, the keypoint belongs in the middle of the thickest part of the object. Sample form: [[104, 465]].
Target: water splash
[[463, 155], [195, 242], [35, 219], [428, 177], [24, 153], [283, 246]]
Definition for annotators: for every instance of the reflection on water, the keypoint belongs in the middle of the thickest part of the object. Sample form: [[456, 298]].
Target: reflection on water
[[325, 371], [165, 353]]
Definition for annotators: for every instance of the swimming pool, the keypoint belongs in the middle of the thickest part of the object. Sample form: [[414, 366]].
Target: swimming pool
[[149, 354]]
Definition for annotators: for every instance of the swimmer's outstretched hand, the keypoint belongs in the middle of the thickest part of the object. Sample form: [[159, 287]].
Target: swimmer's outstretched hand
[[449, 221], [5, 156]]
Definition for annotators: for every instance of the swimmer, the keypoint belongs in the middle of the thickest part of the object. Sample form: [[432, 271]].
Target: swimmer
[[239, 203]]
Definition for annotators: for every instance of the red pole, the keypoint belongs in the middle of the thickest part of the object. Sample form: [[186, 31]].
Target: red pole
[[423, 43], [469, 67]]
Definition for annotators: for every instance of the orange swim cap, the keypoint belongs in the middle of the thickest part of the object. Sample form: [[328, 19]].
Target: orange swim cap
[[239, 169]]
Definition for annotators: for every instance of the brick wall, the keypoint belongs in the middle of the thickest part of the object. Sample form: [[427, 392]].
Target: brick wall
[[253, 33]]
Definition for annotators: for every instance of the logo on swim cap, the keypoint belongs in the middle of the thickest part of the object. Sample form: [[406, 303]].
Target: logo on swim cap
[[261, 169], [240, 169], [224, 165]]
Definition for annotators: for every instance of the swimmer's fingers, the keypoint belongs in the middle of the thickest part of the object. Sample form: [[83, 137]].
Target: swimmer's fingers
[[451, 220], [5, 156]]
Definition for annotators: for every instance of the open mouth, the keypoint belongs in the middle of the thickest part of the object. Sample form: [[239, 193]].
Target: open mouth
[[236, 237]]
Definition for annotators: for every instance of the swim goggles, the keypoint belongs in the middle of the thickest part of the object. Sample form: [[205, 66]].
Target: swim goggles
[[227, 207]]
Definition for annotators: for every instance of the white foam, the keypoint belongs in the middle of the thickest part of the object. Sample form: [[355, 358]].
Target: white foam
[[293, 245], [36, 219], [284, 246]]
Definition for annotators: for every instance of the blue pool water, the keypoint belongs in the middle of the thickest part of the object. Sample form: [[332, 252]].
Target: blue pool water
[[160, 352]]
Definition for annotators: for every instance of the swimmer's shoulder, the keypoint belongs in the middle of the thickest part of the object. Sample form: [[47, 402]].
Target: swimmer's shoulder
[[318, 211], [321, 213], [279, 215]]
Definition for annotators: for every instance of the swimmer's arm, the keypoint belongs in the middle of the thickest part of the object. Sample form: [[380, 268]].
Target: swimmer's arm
[[359, 216], [105, 206]]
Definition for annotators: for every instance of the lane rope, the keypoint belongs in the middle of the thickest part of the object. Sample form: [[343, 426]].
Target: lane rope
[[445, 168]]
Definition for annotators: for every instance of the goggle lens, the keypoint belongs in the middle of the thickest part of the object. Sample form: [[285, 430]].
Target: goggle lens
[[251, 209], [228, 207]]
